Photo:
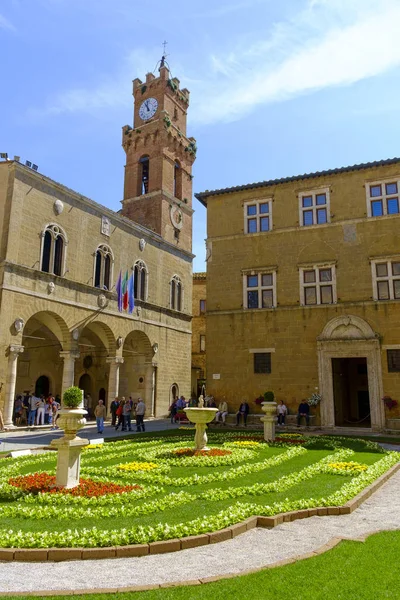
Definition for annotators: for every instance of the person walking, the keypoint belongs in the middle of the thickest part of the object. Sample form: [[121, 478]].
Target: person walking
[[140, 412], [100, 413], [119, 414]]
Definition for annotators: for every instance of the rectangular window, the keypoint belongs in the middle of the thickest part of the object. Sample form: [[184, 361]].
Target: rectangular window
[[393, 361], [202, 307], [202, 343], [383, 199], [260, 290], [262, 362], [258, 216], [386, 279], [314, 208], [318, 285]]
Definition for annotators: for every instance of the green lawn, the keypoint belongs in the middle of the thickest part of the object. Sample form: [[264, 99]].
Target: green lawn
[[181, 496], [350, 571]]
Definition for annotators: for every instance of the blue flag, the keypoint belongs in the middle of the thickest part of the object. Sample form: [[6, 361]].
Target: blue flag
[[118, 287], [131, 299]]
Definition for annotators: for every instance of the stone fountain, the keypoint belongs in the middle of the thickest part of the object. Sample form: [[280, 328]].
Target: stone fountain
[[200, 416]]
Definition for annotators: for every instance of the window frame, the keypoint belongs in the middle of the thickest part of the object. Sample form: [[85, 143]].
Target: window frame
[[176, 294], [259, 273], [269, 363], [104, 250], [202, 338], [141, 294], [55, 231], [257, 202], [391, 370], [318, 284], [202, 311], [384, 197], [314, 206], [390, 277]]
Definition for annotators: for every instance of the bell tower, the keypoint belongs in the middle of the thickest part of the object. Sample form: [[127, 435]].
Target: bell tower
[[159, 159]]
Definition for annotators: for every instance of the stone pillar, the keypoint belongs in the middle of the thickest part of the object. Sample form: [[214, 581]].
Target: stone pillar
[[13, 353], [68, 377], [113, 379]]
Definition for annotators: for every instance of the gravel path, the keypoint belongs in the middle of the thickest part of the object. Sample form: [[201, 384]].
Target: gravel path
[[254, 549]]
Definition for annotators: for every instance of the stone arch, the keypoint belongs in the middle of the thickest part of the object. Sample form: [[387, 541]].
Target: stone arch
[[52, 321], [347, 327], [137, 371], [103, 332]]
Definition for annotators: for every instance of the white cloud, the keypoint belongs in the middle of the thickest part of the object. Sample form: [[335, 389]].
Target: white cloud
[[327, 43], [316, 50], [6, 24]]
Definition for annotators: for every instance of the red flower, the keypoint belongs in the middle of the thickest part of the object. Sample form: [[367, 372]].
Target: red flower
[[191, 452], [43, 482]]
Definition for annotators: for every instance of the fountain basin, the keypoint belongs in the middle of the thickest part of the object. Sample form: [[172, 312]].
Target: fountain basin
[[200, 415]]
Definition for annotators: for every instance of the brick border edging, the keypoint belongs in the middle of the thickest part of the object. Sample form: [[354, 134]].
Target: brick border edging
[[174, 545]]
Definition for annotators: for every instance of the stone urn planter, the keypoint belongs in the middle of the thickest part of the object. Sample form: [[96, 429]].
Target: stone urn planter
[[268, 419], [200, 416], [69, 447]]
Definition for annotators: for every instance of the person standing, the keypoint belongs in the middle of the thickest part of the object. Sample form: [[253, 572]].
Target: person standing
[[126, 416], [100, 413], [33, 406], [222, 412], [140, 412], [243, 411], [281, 410], [113, 408], [119, 414], [41, 409]]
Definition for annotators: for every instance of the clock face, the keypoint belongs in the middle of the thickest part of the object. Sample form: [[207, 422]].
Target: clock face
[[148, 108]]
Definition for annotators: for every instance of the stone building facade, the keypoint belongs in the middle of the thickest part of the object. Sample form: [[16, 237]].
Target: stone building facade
[[303, 292], [199, 307], [61, 255]]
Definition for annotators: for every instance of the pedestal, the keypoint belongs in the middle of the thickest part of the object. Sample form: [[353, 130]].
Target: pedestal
[[269, 420], [200, 438], [69, 447], [68, 461]]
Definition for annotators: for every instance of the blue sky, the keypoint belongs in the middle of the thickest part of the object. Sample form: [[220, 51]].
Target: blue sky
[[277, 89]]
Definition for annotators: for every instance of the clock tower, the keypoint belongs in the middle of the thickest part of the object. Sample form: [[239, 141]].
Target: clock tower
[[159, 159]]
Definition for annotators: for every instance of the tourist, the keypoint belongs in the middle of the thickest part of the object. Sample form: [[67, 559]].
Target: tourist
[[33, 406], [113, 408], [55, 407], [181, 403], [48, 410], [243, 411], [210, 402], [140, 412], [281, 410], [303, 411], [173, 409], [126, 416], [18, 408], [193, 402], [222, 412], [41, 410], [100, 413], [119, 414]]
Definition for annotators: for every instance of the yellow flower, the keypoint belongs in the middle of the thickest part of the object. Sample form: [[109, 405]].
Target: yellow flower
[[246, 444], [137, 466], [92, 446]]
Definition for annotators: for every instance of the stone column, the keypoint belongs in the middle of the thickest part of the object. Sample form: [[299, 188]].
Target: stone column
[[113, 379], [13, 353], [68, 377]]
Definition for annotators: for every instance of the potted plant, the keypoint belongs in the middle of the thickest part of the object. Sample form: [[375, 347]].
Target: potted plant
[[269, 397], [72, 397]]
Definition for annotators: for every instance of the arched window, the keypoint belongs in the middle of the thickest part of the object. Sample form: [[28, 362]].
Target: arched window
[[176, 293], [54, 242], [140, 280], [144, 175], [177, 180], [103, 263]]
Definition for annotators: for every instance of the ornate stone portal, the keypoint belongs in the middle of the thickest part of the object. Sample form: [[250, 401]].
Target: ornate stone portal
[[350, 337]]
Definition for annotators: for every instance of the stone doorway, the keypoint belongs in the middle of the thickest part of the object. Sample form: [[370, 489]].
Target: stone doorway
[[42, 386], [346, 338], [350, 392]]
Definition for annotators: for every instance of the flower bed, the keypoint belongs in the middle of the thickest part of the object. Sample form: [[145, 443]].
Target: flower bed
[[42, 482], [142, 491]]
